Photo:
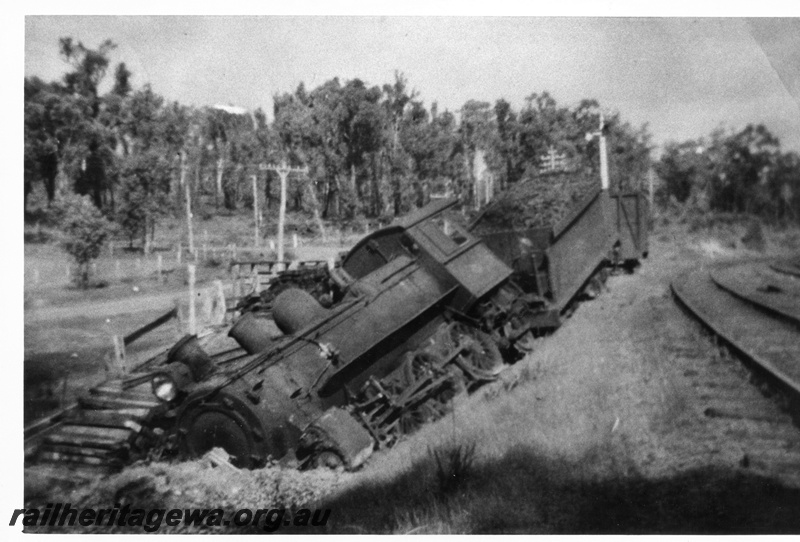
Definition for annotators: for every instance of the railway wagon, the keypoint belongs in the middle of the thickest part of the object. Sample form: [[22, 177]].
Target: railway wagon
[[557, 263]]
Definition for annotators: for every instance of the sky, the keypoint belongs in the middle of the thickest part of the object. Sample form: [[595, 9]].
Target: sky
[[682, 76]]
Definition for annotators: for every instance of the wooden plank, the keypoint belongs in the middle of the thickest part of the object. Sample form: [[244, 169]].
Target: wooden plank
[[164, 318], [111, 403], [99, 432], [104, 418], [68, 450], [78, 459], [134, 394], [88, 442]]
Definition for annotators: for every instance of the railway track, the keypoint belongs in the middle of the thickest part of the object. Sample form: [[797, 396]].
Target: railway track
[[751, 310], [108, 427]]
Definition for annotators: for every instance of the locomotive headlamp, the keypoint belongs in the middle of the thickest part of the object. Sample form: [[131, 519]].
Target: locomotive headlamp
[[164, 387], [169, 382]]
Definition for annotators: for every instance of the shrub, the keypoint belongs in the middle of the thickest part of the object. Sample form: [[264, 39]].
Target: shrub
[[84, 230]]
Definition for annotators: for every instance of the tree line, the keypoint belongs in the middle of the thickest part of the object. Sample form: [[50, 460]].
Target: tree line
[[742, 171], [372, 151]]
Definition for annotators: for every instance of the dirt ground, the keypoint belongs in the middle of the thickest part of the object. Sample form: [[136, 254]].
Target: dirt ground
[[600, 430]]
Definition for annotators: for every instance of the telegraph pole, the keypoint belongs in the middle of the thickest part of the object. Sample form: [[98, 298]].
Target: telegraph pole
[[283, 170], [600, 134], [188, 202], [255, 209]]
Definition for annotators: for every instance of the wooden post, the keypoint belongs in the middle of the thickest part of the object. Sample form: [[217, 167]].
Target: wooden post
[[178, 253], [192, 305], [116, 366], [220, 306], [294, 240], [160, 263], [254, 275], [117, 271], [180, 319], [62, 400], [68, 271], [188, 204], [283, 171], [604, 182], [256, 216], [218, 193], [284, 174], [237, 288], [207, 305]]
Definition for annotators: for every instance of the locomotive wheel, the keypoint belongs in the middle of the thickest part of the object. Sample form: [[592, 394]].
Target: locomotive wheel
[[212, 429], [420, 365], [526, 344], [413, 419], [480, 355], [435, 406], [327, 459]]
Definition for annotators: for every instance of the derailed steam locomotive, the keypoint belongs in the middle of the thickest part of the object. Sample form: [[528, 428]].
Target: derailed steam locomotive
[[425, 308], [423, 311]]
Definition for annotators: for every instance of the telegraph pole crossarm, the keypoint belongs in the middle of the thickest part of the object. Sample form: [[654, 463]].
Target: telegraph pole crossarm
[[283, 170]]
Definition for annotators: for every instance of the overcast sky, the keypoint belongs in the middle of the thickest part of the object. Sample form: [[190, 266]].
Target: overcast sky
[[682, 76]]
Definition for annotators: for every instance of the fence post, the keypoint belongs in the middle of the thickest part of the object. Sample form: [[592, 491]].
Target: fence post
[[294, 240], [192, 310], [160, 263], [62, 400], [178, 255], [237, 288], [254, 274], [207, 305], [69, 276], [180, 318], [219, 305], [115, 366]]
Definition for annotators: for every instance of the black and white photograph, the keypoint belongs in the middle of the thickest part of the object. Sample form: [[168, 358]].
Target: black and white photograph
[[494, 271]]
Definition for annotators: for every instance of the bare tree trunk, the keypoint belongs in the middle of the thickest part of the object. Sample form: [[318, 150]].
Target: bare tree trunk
[[315, 205], [218, 192]]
